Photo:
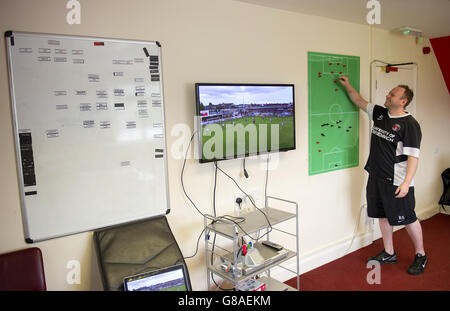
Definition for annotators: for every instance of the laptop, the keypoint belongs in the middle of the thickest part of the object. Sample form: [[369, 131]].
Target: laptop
[[172, 278]]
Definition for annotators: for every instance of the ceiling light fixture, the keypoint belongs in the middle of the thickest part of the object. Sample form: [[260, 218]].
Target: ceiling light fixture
[[409, 31]]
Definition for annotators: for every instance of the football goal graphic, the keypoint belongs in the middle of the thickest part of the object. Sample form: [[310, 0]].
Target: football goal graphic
[[333, 119]]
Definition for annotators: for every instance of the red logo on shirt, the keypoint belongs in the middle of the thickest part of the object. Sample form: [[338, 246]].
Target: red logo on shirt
[[396, 127]]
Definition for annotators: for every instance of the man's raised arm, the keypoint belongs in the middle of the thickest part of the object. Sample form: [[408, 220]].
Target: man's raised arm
[[353, 94]]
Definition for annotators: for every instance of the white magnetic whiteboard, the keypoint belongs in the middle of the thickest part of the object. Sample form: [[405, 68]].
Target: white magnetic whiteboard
[[89, 129]]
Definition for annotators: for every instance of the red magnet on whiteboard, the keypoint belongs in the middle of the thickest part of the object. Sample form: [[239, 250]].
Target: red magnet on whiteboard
[[336, 90], [320, 150], [344, 66]]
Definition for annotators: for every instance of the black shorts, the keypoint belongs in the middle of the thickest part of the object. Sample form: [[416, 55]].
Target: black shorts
[[382, 203]]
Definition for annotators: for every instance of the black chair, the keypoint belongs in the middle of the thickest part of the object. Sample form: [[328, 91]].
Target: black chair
[[135, 248]]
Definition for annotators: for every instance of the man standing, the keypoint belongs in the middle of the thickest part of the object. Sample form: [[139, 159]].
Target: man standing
[[392, 164]]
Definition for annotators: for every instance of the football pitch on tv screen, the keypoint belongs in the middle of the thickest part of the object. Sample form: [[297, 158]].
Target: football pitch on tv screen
[[247, 135]]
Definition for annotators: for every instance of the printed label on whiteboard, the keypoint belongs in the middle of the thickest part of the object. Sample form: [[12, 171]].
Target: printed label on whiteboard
[[45, 50], [105, 124], [44, 58], [93, 77], [78, 61], [122, 62], [26, 154], [60, 93], [125, 163], [53, 133], [140, 90], [156, 103], [138, 60], [53, 42], [157, 125], [62, 107], [102, 106], [143, 113], [154, 77], [60, 59], [137, 80], [77, 52], [131, 124], [119, 106], [119, 92], [88, 123], [158, 133], [101, 94], [80, 92], [118, 73], [25, 50], [85, 107], [60, 51], [142, 103]]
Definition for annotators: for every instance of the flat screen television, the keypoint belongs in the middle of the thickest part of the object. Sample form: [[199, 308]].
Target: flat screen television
[[238, 120]]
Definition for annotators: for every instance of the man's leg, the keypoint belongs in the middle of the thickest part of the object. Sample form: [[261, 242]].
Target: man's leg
[[420, 259], [387, 255], [386, 232], [415, 233]]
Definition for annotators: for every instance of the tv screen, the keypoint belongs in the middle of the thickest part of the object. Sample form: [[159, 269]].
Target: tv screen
[[237, 120]]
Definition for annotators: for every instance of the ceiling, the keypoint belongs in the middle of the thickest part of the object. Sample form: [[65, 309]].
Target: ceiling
[[430, 16]]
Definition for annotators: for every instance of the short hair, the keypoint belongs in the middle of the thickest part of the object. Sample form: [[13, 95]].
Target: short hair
[[408, 94]]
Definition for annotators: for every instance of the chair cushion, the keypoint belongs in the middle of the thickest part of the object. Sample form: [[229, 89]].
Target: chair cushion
[[22, 270]]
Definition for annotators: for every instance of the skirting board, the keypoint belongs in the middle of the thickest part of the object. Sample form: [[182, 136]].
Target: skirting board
[[339, 249]]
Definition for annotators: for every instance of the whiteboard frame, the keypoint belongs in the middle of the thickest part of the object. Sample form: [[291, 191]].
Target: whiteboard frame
[[9, 37]]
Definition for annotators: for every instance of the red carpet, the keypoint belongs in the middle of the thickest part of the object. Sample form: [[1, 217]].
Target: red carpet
[[349, 273]]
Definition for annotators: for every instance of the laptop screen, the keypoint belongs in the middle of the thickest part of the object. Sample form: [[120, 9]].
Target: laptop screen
[[166, 279]]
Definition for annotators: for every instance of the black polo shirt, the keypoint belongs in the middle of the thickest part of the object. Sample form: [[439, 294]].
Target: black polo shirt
[[393, 139]]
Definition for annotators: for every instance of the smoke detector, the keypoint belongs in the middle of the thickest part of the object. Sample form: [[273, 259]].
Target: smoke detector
[[409, 31]]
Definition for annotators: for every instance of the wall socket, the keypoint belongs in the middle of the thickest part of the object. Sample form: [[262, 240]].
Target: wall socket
[[246, 205]]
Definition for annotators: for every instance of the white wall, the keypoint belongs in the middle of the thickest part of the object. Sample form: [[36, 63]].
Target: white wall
[[228, 41]]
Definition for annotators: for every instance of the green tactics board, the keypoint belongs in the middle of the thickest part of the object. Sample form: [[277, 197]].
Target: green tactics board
[[333, 118]]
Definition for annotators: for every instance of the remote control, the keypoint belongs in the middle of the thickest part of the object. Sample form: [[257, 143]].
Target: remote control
[[273, 245]]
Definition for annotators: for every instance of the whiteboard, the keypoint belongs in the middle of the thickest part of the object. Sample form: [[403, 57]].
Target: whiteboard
[[88, 117]]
